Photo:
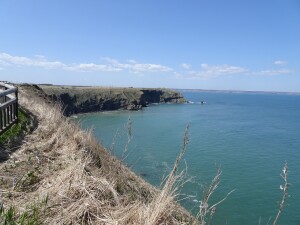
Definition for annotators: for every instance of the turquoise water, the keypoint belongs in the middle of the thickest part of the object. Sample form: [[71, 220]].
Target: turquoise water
[[250, 136]]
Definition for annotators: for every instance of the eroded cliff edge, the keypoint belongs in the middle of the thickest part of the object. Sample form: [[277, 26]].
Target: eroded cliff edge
[[79, 99]]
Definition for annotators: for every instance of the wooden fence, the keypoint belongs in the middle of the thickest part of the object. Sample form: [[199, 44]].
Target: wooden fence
[[8, 106]]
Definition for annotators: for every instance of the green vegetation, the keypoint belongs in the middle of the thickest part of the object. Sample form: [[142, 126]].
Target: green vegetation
[[31, 215], [16, 129]]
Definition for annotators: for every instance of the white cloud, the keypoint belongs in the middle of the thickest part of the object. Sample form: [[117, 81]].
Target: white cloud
[[38, 61], [271, 72], [91, 67], [280, 62], [138, 67], [135, 67], [186, 66], [110, 65], [209, 72], [212, 71]]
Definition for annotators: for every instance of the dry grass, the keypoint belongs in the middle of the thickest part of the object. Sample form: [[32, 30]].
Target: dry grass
[[160, 208], [284, 188], [82, 182], [206, 209]]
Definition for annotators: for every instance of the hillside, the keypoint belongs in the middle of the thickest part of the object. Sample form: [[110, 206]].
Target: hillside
[[61, 175]]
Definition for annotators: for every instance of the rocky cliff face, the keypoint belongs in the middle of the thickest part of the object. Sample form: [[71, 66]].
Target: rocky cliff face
[[93, 99]]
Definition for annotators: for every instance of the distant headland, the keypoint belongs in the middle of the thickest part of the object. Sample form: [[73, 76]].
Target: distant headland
[[85, 99], [238, 91]]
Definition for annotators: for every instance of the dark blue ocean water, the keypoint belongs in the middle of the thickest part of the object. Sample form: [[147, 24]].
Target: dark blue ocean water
[[249, 135]]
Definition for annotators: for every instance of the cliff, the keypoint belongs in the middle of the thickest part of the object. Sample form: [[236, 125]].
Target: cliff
[[77, 99]]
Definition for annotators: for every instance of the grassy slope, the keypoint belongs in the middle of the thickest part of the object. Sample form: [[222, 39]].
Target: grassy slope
[[61, 175], [16, 129]]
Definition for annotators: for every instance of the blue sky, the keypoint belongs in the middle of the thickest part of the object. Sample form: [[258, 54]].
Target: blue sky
[[204, 44]]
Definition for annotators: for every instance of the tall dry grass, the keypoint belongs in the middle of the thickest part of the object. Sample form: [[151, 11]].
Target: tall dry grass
[[84, 183]]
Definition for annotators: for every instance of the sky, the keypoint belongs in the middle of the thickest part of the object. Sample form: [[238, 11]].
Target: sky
[[197, 44]]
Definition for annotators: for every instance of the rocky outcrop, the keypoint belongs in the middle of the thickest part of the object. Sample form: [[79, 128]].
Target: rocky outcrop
[[92, 99]]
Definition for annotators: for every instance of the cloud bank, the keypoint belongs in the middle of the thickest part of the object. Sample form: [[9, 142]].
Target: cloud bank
[[205, 72], [110, 65]]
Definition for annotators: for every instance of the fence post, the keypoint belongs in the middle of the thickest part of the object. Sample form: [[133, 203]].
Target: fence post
[[1, 125], [11, 112], [8, 106], [17, 106], [4, 118]]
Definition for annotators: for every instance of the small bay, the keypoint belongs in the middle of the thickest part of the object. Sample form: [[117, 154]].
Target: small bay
[[249, 135]]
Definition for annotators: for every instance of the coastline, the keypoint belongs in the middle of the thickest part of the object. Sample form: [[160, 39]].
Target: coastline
[[238, 91], [62, 168], [75, 100]]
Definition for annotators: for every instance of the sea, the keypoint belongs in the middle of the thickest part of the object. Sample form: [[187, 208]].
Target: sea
[[249, 136]]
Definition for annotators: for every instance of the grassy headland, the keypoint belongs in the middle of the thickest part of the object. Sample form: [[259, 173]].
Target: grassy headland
[[77, 99]]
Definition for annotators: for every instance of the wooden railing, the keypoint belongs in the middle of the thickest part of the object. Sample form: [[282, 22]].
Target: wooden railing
[[8, 106]]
